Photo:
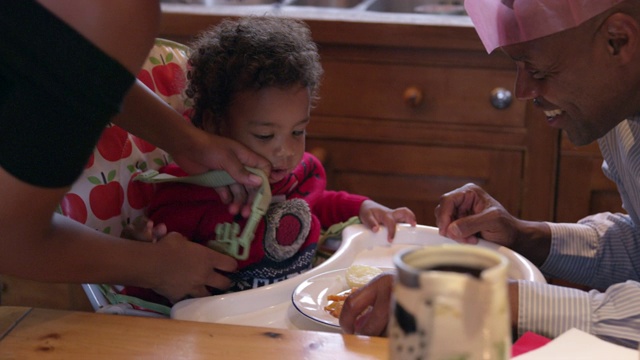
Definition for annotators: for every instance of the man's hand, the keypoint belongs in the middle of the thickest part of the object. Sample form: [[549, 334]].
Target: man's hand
[[469, 213], [366, 311]]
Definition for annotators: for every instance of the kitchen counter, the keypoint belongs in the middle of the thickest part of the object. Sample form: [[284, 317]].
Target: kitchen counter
[[336, 26], [323, 13], [29, 333]]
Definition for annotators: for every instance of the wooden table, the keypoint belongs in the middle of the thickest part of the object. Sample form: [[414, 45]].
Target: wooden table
[[29, 333]]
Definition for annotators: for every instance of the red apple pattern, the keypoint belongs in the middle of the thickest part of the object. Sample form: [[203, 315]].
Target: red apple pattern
[[139, 194], [145, 77], [90, 161], [114, 144], [107, 197], [168, 76], [73, 206], [143, 145]]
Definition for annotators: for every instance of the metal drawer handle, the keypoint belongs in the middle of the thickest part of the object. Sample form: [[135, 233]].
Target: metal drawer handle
[[501, 98]]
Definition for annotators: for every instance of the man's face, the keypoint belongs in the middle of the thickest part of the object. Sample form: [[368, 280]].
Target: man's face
[[569, 74]]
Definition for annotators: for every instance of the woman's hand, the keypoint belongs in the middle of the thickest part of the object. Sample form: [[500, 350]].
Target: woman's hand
[[194, 150], [189, 268], [215, 152]]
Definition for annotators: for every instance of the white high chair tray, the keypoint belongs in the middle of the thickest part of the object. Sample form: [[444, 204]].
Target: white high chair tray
[[271, 306]]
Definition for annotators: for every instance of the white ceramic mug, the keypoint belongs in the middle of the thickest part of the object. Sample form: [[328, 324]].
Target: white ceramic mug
[[450, 302]]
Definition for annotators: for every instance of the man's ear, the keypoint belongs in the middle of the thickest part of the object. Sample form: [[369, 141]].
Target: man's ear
[[622, 32]]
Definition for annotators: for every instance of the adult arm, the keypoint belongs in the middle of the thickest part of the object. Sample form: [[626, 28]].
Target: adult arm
[[613, 315], [599, 251], [38, 245]]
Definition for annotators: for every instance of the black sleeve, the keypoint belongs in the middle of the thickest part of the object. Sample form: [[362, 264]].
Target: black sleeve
[[57, 93]]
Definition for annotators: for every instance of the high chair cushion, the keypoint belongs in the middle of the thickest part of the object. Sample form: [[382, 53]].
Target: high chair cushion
[[104, 197]]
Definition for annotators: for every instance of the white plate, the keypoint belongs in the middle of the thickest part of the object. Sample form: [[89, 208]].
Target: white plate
[[310, 297]]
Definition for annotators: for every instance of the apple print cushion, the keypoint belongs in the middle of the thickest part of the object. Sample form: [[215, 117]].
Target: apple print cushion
[[164, 72], [104, 197]]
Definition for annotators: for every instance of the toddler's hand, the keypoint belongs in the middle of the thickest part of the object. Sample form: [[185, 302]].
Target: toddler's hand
[[142, 229], [373, 215]]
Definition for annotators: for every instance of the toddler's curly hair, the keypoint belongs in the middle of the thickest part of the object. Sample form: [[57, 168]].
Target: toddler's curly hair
[[250, 53]]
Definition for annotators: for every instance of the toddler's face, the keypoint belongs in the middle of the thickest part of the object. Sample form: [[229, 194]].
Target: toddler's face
[[272, 122]]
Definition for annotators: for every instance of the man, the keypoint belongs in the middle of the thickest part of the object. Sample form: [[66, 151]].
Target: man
[[579, 62]]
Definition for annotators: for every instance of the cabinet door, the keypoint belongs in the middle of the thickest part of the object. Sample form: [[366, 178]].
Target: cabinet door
[[589, 193], [416, 176]]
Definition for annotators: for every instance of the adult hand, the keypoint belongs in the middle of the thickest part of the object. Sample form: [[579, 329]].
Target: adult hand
[[189, 268], [216, 152], [194, 150], [366, 311], [467, 213], [373, 215]]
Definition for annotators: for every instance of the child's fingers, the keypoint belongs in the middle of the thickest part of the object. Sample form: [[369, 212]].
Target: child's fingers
[[370, 221], [141, 229], [159, 231]]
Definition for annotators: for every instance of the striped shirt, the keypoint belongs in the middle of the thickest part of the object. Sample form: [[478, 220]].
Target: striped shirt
[[601, 251]]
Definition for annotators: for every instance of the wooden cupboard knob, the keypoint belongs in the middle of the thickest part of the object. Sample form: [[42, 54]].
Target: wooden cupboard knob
[[412, 96], [321, 153]]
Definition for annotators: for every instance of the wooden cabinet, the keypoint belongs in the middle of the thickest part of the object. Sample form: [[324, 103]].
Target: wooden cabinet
[[583, 189]]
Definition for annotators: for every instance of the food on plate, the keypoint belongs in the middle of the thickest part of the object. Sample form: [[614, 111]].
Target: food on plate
[[360, 275], [336, 301], [356, 276]]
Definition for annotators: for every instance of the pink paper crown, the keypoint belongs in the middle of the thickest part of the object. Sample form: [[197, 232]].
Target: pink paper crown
[[506, 22]]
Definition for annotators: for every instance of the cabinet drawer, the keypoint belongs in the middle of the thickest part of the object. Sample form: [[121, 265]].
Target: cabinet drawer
[[448, 95], [416, 176]]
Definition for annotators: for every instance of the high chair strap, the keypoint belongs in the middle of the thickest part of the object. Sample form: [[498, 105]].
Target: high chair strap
[[115, 298]]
